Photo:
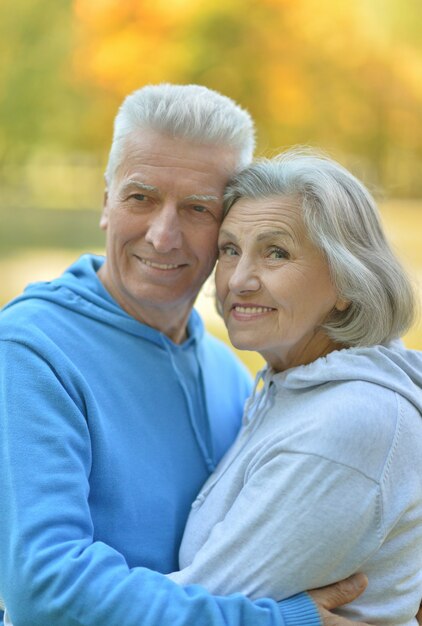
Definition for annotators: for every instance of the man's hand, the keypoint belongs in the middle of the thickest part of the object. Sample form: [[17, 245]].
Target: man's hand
[[333, 596]]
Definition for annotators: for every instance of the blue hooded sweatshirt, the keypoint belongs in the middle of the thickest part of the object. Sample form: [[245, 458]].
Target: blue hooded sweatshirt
[[107, 431]]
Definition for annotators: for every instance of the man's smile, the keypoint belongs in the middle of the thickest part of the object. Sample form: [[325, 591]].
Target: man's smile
[[159, 266]]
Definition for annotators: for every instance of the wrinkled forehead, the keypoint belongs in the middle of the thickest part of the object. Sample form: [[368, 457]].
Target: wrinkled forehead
[[260, 218], [268, 208], [158, 149]]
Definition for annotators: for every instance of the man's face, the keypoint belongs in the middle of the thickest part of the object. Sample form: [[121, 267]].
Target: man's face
[[162, 214]]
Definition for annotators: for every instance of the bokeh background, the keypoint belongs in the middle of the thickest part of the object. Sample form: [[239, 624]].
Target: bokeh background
[[343, 76]]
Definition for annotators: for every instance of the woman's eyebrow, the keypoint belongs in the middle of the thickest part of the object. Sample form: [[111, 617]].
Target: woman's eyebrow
[[226, 233], [269, 234]]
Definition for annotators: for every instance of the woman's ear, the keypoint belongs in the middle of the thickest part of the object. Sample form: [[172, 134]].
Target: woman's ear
[[342, 304]]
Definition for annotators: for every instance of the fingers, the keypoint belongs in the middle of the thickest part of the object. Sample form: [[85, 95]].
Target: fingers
[[345, 591], [419, 616], [329, 619]]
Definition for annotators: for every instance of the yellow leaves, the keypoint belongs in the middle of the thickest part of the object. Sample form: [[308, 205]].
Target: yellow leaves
[[410, 67], [287, 88], [101, 15], [125, 44], [320, 71]]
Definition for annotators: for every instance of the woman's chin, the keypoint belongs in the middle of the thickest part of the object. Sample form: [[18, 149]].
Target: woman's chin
[[243, 343]]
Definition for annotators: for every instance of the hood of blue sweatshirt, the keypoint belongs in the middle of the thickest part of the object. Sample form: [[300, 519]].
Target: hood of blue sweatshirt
[[80, 290], [73, 319]]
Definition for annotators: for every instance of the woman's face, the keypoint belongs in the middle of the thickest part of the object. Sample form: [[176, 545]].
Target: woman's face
[[273, 283]]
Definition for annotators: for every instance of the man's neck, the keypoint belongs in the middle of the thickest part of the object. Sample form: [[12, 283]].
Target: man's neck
[[172, 322]]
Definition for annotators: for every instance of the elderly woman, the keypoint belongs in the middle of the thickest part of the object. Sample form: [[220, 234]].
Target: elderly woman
[[325, 478]]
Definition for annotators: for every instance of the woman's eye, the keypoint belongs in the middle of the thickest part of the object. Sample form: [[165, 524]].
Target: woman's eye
[[278, 253], [227, 250]]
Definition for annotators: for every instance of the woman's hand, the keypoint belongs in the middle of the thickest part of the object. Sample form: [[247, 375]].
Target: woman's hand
[[333, 596]]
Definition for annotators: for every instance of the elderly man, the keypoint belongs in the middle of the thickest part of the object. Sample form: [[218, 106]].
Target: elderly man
[[115, 403]]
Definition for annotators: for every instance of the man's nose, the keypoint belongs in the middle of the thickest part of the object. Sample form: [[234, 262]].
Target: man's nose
[[164, 230], [245, 277]]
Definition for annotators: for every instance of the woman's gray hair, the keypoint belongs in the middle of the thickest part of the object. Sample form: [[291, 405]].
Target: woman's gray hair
[[342, 219], [192, 112]]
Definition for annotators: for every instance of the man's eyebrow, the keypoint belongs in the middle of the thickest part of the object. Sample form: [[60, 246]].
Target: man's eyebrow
[[201, 198], [137, 184]]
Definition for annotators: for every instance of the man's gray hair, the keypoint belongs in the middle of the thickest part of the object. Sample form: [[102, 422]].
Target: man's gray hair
[[342, 219], [192, 112]]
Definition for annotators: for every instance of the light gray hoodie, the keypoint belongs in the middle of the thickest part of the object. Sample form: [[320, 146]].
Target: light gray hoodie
[[325, 479]]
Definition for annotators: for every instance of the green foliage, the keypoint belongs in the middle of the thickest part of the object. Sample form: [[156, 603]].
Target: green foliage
[[24, 229], [34, 48]]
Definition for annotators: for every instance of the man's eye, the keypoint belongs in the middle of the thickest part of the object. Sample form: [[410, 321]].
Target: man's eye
[[198, 208], [278, 253], [139, 196]]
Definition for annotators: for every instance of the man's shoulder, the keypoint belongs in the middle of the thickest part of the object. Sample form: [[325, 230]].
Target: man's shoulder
[[41, 325], [22, 313], [28, 311]]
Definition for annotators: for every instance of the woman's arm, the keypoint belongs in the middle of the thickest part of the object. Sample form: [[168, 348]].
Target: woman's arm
[[315, 505], [299, 522]]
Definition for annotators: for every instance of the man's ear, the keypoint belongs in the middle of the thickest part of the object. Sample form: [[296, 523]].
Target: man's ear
[[104, 214]]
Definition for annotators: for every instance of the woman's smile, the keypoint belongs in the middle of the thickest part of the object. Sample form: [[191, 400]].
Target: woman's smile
[[248, 312]]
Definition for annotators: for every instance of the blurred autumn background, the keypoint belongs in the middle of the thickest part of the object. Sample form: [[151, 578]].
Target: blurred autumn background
[[344, 76]]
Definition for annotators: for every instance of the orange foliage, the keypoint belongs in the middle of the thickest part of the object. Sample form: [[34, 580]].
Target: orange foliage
[[342, 76], [125, 44]]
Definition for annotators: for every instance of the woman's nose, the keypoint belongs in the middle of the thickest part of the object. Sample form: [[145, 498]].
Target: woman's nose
[[245, 277]]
